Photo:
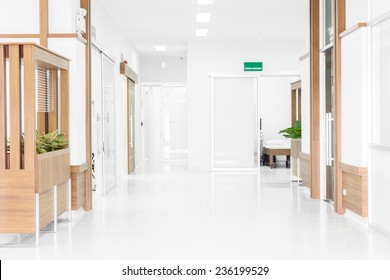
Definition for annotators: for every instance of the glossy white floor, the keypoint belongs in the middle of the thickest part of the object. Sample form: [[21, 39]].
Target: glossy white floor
[[166, 212]]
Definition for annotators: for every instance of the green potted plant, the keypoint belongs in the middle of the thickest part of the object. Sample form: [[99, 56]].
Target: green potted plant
[[295, 134]]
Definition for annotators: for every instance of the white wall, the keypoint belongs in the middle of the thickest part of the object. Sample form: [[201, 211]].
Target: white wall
[[379, 7], [113, 42], [176, 70], [354, 99], [356, 11], [305, 82], [204, 57], [62, 16], [20, 16]]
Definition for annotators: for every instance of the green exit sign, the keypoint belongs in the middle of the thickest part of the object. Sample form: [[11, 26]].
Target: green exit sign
[[253, 66]]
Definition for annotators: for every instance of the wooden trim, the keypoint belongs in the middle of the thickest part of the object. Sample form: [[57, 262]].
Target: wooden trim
[[29, 108], [296, 85], [79, 168], [128, 72], [43, 22], [68, 36], [361, 171], [46, 58], [352, 29], [339, 27], [305, 56], [17, 36], [86, 4], [63, 35], [315, 111], [3, 112]]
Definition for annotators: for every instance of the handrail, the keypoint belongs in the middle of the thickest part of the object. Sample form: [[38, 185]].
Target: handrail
[[379, 19], [352, 29], [303, 57]]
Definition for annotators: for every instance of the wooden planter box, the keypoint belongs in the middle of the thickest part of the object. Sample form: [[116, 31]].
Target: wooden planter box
[[27, 180], [52, 169], [17, 211], [295, 151]]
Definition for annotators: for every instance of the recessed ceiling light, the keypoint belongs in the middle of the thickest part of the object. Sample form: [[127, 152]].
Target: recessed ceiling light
[[160, 48], [205, 2], [201, 32], [203, 17]]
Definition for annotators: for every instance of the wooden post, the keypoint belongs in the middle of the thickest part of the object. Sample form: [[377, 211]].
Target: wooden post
[[339, 27], [3, 112], [86, 4], [315, 98]]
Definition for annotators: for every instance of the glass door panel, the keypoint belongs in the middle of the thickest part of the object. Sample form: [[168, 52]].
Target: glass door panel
[[329, 126], [235, 123], [109, 123]]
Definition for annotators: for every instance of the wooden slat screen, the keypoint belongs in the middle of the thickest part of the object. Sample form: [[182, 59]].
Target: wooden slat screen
[[44, 91]]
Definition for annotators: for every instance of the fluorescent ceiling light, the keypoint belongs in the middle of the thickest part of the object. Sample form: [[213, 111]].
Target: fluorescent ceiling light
[[203, 17], [160, 48], [205, 2], [201, 32]]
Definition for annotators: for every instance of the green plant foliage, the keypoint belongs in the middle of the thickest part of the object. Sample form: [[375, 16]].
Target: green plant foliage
[[294, 132], [49, 142]]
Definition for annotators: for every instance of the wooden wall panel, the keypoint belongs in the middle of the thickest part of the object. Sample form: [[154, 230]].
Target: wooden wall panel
[[355, 186], [304, 169], [15, 108], [3, 112], [17, 201]]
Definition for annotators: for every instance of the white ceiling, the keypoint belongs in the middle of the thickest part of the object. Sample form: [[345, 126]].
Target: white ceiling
[[173, 22]]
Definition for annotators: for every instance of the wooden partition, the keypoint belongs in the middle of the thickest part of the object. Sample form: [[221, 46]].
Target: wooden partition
[[29, 94]]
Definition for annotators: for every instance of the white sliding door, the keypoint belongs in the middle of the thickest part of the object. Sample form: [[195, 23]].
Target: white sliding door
[[109, 123], [235, 123]]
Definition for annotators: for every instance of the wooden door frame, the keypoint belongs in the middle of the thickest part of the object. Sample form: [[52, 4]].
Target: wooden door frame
[[339, 26]]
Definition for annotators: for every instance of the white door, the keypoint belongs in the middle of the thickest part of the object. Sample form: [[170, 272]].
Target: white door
[[235, 123], [175, 131], [97, 123], [152, 120], [109, 148]]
